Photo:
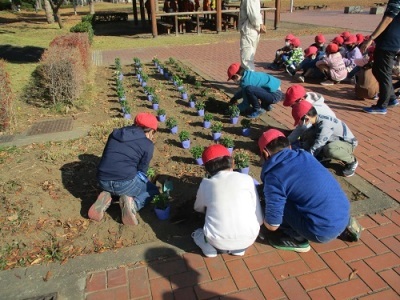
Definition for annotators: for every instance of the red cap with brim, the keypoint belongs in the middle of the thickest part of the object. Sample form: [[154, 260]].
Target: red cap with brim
[[332, 48], [213, 152], [294, 93], [352, 39], [299, 110], [295, 42], [338, 40], [289, 37], [320, 38], [267, 137], [233, 69], [310, 51], [146, 120]]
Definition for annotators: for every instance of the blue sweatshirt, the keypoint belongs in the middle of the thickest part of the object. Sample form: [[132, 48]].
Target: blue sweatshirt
[[296, 176], [127, 151], [389, 39]]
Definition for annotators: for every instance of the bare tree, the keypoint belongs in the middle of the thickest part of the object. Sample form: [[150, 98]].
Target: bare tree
[[49, 12], [91, 4]]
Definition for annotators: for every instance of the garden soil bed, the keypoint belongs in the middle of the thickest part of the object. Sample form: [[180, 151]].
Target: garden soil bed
[[47, 189]]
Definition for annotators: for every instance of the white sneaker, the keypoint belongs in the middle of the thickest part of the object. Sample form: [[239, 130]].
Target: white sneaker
[[237, 253], [200, 240], [300, 78]]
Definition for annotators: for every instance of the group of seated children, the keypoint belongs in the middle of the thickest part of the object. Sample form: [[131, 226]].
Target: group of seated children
[[331, 63]]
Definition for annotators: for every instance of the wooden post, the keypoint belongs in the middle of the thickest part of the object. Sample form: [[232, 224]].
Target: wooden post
[[142, 13], [277, 13], [153, 4], [135, 18], [219, 16], [176, 25]]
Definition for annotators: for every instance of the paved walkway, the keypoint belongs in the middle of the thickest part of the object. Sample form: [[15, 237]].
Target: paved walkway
[[368, 269]]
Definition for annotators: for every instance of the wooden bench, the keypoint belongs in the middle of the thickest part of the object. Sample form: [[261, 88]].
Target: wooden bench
[[353, 9], [378, 10], [110, 17], [197, 25], [380, 3], [166, 26], [302, 7], [323, 6]]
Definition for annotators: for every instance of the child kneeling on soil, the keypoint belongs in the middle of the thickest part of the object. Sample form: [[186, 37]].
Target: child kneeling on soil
[[231, 205], [254, 87], [122, 169], [304, 201]]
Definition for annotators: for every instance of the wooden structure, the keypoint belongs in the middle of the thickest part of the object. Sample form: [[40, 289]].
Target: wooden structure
[[177, 15]]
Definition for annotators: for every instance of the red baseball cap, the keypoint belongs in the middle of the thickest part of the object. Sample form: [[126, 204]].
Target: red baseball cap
[[146, 120], [360, 38], [233, 69], [267, 137], [294, 93], [332, 48], [310, 51], [320, 38], [289, 37], [214, 151], [299, 110], [338, 40], [295, 42], [352, 39], [345, 34]]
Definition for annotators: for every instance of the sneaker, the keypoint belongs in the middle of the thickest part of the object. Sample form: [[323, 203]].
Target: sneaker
[[269, 107], [200, 240], [375, 110], [376, 97], [96, 211], [288, 243], [327, 82], [393, 103], [236, 252], [256, 113], [128, 209], [352, 233], [350, 169], [300, 78], [290, 71]]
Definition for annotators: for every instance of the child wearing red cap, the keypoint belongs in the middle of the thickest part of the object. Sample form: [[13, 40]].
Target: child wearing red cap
[[282, 52], [304, 201], [255, 87], [122, 169], [333, 138], [295, 56], [231, 206], [332, 65], [308, 65], [352, 53]]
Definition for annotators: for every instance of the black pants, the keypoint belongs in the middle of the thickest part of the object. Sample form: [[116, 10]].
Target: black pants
[[382, 70]]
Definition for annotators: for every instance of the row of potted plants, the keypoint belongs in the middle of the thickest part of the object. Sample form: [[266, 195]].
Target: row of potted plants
[[125, 108]]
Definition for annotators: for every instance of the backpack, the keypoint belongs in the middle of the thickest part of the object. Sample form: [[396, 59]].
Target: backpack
[[366, 86]]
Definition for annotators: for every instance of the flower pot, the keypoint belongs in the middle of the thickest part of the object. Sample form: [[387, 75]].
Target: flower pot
[[174, 130], [161, 71], [192, 104], [166, 75], [184, 96], [216, 136], [138, 76], [162, 118], [120, 76], [127, 116], [144, 83], [200, 112], [244, 170], [234, 120], [140, 80], [162, 214], [180, 88], [150, 97], [207, 124], [245, 131], [186, 144], [155, 106], [123, 98], [199, 161], [230, 150]]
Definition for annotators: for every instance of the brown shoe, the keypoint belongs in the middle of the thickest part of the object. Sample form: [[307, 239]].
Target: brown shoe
[[96, 211], [127, 205]]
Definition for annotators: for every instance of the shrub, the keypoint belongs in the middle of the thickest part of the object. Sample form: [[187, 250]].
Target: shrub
[[246, 123], [192, 98], [208, 117], [6, 98], [200, 105], [197, 151], [184, 135], [161, 201], [155, 99], [234, 111], [88, 18], [227, 142], [217, 127], [241, 158], [84, 27], [161, 112], [171, 123]]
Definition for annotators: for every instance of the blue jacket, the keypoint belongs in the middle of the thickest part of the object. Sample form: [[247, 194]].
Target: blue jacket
[[259, 79], [127, 151], [296, 176], [389, 39]]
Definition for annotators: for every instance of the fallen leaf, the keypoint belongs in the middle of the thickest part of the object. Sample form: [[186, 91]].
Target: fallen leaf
[[13, 218], [36, 261], [48, 276], [352, 274]]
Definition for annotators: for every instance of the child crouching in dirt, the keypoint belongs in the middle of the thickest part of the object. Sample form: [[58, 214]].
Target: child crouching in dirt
[[230, 202], [122, 169]]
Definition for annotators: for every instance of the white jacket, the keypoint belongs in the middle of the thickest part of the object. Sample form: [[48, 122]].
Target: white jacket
[[250, 14], [233, 211]]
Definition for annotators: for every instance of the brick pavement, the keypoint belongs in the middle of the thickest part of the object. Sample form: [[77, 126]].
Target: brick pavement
[[368, 269]]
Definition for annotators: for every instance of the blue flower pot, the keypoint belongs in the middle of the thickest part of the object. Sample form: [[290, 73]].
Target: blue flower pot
[[174, 130], [200, 112], [245, 170], [144, 83], [199, 161], [184, 96], [162, 214], [150, 97], [155, 106], [207, 124], [162, 118], [246, 131], [230, 150], [127, 116], [186, 144], [216, 136], [192, 104], [234, 120]]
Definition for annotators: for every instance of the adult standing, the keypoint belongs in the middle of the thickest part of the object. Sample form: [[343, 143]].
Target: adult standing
[[387, 40], [250, 25]]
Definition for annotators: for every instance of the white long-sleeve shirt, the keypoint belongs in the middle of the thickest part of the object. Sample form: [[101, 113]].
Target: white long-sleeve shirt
[[250, 14], [233, 211]]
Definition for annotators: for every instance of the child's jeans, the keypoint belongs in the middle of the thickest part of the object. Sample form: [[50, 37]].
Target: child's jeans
[[254, 93], [139, 187]]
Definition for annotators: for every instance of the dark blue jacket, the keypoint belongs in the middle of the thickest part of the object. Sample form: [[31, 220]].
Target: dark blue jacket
[[127, 151], [296, 176], [389, 39]]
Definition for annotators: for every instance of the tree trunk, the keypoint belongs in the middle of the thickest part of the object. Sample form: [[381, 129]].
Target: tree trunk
[[58, 18], [91, 4], [49, 12]]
